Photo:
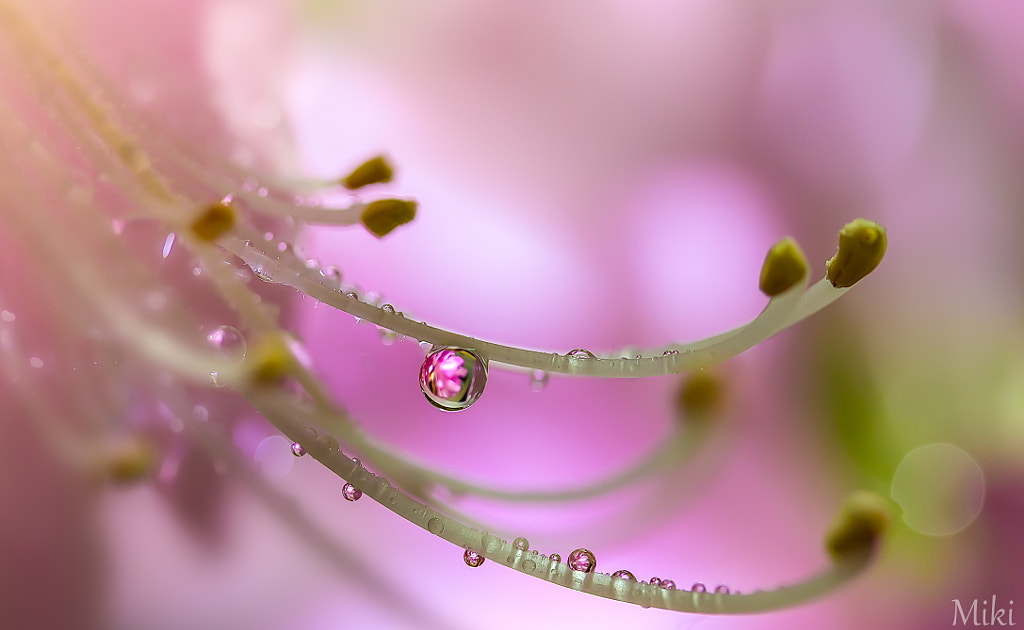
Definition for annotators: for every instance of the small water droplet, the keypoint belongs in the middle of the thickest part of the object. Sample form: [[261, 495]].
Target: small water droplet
[[262, 273], [538, 380], [555, 559], [350, 492], [529, 566], [297, 449], [521, 544], [668, 585], [36, 362], [472, 558], [435, 526], [655, 581], [580, 354], [387, 308], [332, 277], [227, 338], [387, 337], [452, 379], [263, 192], [491, 543], [582, 560], [168, 245], [624, 575], [722, 589], [669, 353], [426, 346], [699, 588]]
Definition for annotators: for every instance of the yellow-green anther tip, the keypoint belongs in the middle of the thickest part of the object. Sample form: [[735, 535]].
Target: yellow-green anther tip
[[270, 361], [862, 245], [130, 462], [700, 395], [373, 171], [784, 266], [862, 521], [214, 221], [383, 215]]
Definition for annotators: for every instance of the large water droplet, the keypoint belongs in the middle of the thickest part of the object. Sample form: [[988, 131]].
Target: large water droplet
[[298, 450], [452, 379], [521, 544], [582, 560], [472, 558], [624, 575], [350, 492]]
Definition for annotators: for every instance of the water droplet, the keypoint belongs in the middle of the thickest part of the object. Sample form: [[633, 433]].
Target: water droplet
[[491, 543], [297, 449], [168, 245], [624, 575], [582, 560], [263, 192], [426, 346], [668, 585], [699, 588], [435, 526], [538, 380], [452, 379], [201, 413], [655, 581], [580, 354], [669, 353], [387, 337], [350, 492], [36, 362], [313, 264], [227, 338], [722, 589], [262, 273], [529, 566], [332, 277], [472, 558], [387, 308], [521, 544]]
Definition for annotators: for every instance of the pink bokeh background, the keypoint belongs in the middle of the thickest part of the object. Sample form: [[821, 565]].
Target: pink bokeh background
[[598, 175]]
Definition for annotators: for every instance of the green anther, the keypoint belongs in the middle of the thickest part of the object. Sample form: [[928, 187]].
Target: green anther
[[271, 361], [862, 245], [373, 171], [784, 266], [384, 215], [700, 395], [862, 521], [214, 222]]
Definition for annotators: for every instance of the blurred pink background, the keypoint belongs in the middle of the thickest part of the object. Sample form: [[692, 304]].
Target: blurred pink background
[[599, 175]]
